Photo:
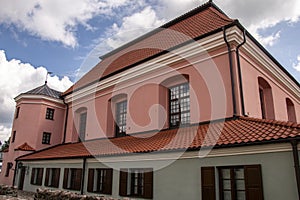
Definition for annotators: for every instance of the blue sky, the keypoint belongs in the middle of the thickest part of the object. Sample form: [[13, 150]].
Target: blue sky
[[38, 36]]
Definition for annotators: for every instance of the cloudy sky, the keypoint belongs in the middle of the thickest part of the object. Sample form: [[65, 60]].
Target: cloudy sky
[[37, 36]]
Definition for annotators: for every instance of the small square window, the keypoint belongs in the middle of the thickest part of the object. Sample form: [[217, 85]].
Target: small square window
[[46, 138], [50, 113]]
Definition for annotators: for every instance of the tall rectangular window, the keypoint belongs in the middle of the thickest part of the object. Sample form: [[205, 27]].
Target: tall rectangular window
[[235, 182], [50, 113], [52, 177], [37, 176], [136, 183], [8, 167], [121, 112], [17, 112], [13, 138], [100, 181], [232, 183], [72, 178], [179, 105], [82, 126], [262, 103], [46, 138]]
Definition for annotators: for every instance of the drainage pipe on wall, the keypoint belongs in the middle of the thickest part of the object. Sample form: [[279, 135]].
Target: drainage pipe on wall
[[231, 72], [15, 173], [296, 164], [240, 73], [66, 121], [83, 175]]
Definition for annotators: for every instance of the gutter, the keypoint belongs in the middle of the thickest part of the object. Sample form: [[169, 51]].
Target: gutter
[[231, 72], [83, 175], [294, 144], [240, 73], [66, 121]]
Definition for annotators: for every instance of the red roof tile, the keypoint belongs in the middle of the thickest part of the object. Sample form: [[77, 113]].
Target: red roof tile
[[24, 147], [200, 21], [239, 131]]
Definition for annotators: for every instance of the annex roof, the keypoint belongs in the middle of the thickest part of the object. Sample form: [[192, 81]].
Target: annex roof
[[24, 147], [44, 90], [231, 132], [202, 20]]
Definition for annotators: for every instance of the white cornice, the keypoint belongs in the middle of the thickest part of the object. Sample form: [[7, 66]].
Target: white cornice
[[269, 66], [234, 35], [189, 50], [52, 104], [165, 156], [38, 97]]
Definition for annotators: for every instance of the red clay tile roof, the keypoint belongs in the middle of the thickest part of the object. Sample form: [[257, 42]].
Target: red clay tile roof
[[239, 131], [24, 147], [198, 22]]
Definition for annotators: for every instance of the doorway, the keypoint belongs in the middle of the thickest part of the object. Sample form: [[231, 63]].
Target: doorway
[[22, 178]]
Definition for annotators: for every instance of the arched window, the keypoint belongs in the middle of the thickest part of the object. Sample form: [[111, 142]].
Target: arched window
[[266, 99], [178, 100], [81, 119], [290, 110], [117, 115]]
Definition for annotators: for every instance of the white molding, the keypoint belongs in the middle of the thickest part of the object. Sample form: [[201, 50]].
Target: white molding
[[187, 51], [269, 66], [166, 156], [58, 161], [99, 88], [52, 104], [38, 97], [234, 35]]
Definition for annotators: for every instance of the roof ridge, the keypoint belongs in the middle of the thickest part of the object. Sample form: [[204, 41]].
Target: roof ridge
[[44, 90], [272, 121], [223, 16], [25, 147]]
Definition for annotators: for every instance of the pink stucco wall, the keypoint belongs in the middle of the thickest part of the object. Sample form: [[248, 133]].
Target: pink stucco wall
[[210, 96]]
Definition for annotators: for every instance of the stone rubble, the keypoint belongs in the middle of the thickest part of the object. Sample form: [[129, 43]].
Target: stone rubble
[[11, 193]]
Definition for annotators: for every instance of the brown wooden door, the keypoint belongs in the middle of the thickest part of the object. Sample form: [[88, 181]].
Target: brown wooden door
[[21, 179]]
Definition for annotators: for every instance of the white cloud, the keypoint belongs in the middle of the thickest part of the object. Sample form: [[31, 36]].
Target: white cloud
[[4, 133], [54, 20], [268, 40], [17, 77], [296, 65], [253, 14], [57, 20], [258, 15], [168, 9], [133, 26]]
